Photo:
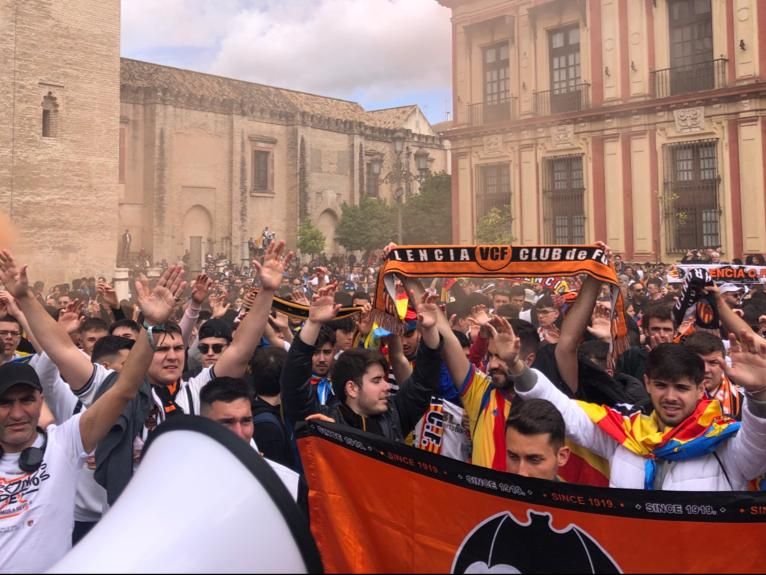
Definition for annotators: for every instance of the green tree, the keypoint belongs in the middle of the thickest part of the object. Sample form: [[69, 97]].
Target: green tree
[[311, 240], [495, 227], [368, 226], [427, 217]]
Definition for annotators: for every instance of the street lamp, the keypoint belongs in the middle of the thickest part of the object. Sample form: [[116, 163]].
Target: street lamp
[[401, 177]]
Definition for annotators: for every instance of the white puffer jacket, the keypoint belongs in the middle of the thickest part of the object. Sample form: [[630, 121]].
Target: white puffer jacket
[[743, 455]]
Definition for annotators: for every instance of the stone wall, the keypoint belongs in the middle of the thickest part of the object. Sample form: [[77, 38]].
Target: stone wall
[[61, 190]]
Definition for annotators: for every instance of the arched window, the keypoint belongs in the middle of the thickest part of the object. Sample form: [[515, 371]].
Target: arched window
[[50, 116]]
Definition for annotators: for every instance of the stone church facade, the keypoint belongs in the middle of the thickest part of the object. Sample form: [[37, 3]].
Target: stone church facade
[[207, 162], [92, 144]]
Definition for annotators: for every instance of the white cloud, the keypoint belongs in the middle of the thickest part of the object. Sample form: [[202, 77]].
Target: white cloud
[[373, 49]]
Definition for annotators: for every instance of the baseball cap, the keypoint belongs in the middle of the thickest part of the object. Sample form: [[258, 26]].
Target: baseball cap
[[729, 288], [410, 325], [16, 373]]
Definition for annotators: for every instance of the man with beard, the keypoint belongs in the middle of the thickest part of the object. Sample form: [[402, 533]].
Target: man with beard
[[486, 397]]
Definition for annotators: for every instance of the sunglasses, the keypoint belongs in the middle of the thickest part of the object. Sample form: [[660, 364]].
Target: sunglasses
[[216, 347]]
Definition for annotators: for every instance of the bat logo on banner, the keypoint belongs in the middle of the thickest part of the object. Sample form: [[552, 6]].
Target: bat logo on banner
[[502, 544]]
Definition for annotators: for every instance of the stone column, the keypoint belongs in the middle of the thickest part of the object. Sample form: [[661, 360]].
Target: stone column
[[122, 283]]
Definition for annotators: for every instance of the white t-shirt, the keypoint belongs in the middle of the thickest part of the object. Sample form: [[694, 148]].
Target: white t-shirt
[[90, 502], [37, 509]]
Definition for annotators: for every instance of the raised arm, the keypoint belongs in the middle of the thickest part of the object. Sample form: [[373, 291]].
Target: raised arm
[[157, 307], [572, 331], [75, 367], [200, 290], [531, 383], [747, 450], [233, 361], [415, 393], [452, 353], [298, 399], [730, 320]]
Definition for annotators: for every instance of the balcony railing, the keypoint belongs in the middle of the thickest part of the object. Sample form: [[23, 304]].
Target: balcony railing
[[483, 113], [572, 99], [693, 78]]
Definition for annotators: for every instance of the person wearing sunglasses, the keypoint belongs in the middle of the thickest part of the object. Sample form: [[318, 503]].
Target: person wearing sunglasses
[[214, 337]]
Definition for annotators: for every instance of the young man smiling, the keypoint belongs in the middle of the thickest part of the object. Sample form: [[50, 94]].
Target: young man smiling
[[687, 444], [362, 391]]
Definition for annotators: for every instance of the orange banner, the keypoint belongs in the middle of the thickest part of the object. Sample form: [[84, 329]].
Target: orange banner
[[377, 506]]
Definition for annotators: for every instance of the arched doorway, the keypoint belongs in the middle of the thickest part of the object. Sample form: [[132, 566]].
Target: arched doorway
[[197, 229], [327, 222]]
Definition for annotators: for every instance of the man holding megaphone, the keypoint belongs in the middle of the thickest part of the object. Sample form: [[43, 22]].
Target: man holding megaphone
[[39, 467]]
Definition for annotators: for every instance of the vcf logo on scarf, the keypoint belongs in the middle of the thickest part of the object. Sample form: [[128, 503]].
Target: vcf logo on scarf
[[698, 435]]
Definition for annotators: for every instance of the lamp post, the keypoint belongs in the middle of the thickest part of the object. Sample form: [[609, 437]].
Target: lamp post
[[400, 177]]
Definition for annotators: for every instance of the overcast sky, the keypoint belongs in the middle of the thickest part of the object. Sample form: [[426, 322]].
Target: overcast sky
[[380, 53]]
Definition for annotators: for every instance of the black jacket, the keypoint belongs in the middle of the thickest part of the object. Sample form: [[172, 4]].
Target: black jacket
[[270, 434], [405, 408]]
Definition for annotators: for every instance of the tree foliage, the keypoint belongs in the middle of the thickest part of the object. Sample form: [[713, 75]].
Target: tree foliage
[[311, 240], [368, 226], [495, 227], [427, 217]]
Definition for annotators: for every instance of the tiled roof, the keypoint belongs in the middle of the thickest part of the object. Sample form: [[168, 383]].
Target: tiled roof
[[443, 126], [392, 117], [135, 73]]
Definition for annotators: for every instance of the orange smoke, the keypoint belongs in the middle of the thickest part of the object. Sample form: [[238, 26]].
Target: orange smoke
[[7, 231]]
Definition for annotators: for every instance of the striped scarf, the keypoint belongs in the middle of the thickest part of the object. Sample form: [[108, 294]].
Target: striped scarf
[[493, 262], [727, 394], [699, 434]]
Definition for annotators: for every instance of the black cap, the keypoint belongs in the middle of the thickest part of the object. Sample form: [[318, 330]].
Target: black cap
[[215, 328], [16, 373]]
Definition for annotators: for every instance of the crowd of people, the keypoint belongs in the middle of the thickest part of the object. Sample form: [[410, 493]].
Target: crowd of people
[[526, 368]]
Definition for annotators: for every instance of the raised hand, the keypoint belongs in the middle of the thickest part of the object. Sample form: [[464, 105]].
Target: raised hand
[[551, 334], [218, 306], [249, 299], [323, 307], [607, 251], [299, 296], [428, 312], [71, 317], [364, 323], [14, 279], [157, 304], [93, 308], [201, 288], [274, 264], [279, 322], [388, 248], [479, 315], [748, 362], [507, 344], [108, 293], [8, 305]]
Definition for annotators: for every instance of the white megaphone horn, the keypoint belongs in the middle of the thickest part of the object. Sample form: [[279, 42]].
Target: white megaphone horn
[[201, 501]]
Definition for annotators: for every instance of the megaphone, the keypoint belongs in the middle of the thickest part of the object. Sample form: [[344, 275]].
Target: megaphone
[[201, 501]]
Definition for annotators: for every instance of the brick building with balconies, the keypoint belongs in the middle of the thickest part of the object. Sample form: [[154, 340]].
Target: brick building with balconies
[[638, 122]]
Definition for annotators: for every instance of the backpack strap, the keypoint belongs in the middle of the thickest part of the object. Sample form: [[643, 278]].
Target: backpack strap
[[268, 417], [190, 399]]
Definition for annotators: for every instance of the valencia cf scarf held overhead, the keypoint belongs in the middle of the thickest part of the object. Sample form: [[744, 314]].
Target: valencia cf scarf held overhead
[[493, 262]]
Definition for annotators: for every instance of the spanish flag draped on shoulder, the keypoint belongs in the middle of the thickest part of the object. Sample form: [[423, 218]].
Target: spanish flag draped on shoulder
[[698, 434]]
